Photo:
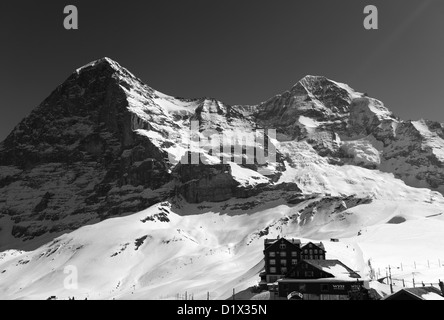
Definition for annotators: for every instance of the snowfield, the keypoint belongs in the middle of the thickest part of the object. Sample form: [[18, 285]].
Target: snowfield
[[161, 252]]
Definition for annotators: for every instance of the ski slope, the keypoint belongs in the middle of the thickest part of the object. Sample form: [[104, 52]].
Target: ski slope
[[160, 253]]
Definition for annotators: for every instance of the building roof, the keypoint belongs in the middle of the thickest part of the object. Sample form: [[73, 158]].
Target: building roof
[[420, 293], [271, 241], [334, 267], [320, 280], [318, 244]]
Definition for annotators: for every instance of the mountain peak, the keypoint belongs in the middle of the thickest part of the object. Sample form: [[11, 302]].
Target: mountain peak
[[309, 77], [320, 85], [105, 61], [107, 67], [310, 81]]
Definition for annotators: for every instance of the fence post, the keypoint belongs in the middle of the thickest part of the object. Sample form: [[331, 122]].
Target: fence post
[[403, 283], [391, 280], [234, 293]]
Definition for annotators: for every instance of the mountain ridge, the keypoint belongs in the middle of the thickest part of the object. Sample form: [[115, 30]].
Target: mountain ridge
[[101, 146], [93, 181]]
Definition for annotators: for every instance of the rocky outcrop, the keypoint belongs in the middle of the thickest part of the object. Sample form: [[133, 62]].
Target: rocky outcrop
[[200, 182], [216, 183]]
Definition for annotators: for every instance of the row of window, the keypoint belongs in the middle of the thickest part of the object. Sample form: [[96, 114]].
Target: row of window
[[311, 251], [284, 246], [273, 270], [294, 253], [283, 262], [312, 257], [282, 254]]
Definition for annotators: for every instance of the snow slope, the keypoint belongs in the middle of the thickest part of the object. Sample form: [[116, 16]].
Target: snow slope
[[161, 252]]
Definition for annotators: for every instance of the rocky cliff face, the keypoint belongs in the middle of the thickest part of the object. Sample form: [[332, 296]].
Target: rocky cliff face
[[105, 144], [77, 158], [347, 127]]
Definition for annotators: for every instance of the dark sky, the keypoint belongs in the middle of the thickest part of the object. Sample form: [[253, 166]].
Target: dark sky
[[238, 51]]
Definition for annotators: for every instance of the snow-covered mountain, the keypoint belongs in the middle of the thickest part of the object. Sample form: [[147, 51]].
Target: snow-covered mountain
[[94, 178]]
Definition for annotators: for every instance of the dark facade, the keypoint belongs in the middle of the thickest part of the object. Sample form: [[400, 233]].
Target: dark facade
[[313, 251], [320, 289], [310, 280], [280, 255], [307, 269]]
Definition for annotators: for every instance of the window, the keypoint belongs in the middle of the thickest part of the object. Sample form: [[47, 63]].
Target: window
[[282, 246], [316, 257], [283, 254], [272, 254], [306, 251], [272, 270], [284, 270], [272, 262], [309, 273], [324, 287], [311, 251], [311, 257], [315, 251], [294, 262], [294, 254], [283, 262]]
